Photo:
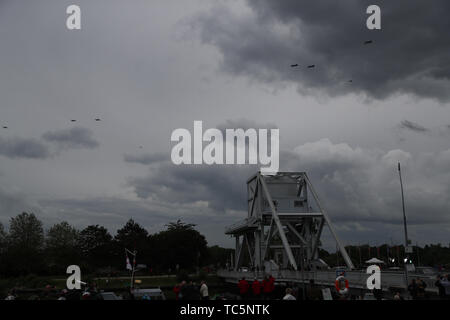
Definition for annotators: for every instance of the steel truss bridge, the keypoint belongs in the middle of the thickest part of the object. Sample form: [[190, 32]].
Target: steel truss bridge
[[283, 227]]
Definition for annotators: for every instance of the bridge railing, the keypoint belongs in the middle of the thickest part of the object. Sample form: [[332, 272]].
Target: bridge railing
[[356, 279]]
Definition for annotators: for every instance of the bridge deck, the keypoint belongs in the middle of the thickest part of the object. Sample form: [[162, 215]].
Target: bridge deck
[[356, 279]]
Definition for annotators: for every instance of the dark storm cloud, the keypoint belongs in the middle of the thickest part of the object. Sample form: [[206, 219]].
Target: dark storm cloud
[[74, 138], [31, 148], [23, 148], [222, 187], [412, 126], [409, 55]]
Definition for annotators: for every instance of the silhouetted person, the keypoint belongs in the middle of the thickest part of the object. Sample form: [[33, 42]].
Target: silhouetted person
[[412, 288], [243, 288], [204, 291], [176, 291], [256, 289], [313, 292], [289, 295], [421, 286]]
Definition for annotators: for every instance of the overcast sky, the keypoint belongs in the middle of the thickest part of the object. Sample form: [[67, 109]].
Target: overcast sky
[[149, 67]]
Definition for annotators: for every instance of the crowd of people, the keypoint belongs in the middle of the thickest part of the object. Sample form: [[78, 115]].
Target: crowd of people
[[443, 285], [417, 288], [254, 290], [50, 292], [257, 290], [191, 291]]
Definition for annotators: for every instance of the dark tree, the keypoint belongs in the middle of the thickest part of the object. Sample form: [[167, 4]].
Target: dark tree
[[218, 256], [3, 248], [132, 237], [180, 244], [95, 244], [61, 247], [3, 239], [25, 245]]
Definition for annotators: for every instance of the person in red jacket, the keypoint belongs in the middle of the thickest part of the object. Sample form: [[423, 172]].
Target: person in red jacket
[[177, 290], [256, 289], [271, 287], [243, 288], [266, 288]]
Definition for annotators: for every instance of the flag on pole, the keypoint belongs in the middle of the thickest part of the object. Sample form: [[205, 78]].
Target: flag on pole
[[128, 264]]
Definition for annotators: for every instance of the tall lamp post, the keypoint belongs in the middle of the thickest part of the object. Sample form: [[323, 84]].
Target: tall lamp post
[[404, 224]]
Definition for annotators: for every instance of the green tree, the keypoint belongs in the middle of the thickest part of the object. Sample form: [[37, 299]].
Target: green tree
[[218, 256], [180, 244], [25, 244], [3, 239], [133, 237], [3, 247], [61, 246], [95, 244]]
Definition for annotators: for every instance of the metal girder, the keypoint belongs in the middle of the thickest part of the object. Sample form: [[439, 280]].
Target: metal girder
[[269, 236], [294, 231], [347, 259], [275, 217], [249, 248], [254, 193], [317, 238]]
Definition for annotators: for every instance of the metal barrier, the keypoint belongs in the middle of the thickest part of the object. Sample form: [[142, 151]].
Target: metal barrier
[[356, 279]]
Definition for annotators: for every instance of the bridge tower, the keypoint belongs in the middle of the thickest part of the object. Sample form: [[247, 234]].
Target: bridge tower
[[285, 217]]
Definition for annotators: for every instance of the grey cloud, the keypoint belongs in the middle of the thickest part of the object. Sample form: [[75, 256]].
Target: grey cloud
[[74, 138], [28, 148], [244, 124], [146, 159], [106, 210], [355, 185], [412, 126], [14, 202], [31, 148], [222, 187], [361, 185], [410, 55], [153, 215]]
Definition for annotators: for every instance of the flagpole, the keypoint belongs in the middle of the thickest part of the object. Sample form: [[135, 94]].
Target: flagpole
[[133, 267], [360, 260], [404, 225]]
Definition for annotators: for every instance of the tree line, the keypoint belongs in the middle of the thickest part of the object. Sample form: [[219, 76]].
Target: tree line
[[27, 249]]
